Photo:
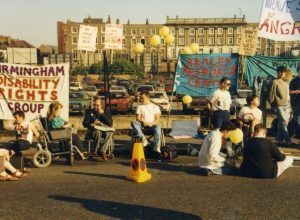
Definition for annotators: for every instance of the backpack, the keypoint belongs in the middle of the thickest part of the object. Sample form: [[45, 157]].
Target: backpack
[[168, 152]]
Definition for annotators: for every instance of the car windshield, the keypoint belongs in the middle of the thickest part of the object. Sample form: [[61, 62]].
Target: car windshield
[[90, 89], [117, 95], [143, 88], [76, 95], [157, 95]]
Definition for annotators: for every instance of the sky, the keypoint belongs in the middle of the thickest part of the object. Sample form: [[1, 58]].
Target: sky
[[35, 20]]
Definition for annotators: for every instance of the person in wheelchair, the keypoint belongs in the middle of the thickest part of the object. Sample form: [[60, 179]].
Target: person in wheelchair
[[99, 122], [249, 116], [147, 116], [56, 121]]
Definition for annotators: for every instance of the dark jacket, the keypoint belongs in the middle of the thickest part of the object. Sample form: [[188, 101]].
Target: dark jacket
[[260, 158], [91, 116]]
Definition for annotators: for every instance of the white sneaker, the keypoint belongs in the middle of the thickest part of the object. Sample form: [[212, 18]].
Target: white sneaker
[[157, 149], [145, 142]]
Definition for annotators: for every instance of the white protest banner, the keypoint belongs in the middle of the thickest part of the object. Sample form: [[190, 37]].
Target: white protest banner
[[113, 36], [32, 89], [87, 38], [278, 20], [248, 41]]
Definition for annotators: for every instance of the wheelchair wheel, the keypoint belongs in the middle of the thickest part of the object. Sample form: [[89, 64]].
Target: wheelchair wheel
[[42, 158]]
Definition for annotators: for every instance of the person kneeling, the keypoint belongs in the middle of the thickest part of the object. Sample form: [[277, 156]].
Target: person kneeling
[[262, 158], [210, 159]]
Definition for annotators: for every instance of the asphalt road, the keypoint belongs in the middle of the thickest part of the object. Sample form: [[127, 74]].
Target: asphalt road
[[98, 190]]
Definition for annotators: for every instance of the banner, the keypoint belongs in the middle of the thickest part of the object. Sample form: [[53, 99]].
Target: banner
[[199, 74], [87, 38], [248, 41], [278, 20], [113, 36], [267, 66], [32, 88]]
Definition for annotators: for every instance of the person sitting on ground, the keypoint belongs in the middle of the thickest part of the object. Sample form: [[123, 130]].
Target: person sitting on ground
[[262, 158], [14, 173], [147, 116], [98, 117], [24, 133], [56, 121], [250, 116], [210, 159]]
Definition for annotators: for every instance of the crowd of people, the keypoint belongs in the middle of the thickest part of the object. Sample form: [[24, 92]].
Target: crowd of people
[[261, 157]]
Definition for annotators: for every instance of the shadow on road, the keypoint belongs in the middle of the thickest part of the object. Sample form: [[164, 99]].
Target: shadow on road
[[97, 175], [125, 211]]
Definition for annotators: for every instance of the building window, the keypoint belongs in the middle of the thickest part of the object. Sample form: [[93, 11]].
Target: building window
[[277, 51], [74, 54], [172, 31], [201, 41], [66, 40], [230, 30], [238, 41], [153, 31], [96, 40], [74, 40], [259, 40], [181, 31], [181, 41], [287, 51], [102, 40], [239, 30], [210, 31], [200, 31], [142, 31], [124, 31], [258, 50], [192, 40], [220, 40], [220, 30], [74, 29], [192, 31], [133, 41], [103, 29], [211, 41], [230, 41], [143, 41], [162, 41], [124, 42], [133, 31]]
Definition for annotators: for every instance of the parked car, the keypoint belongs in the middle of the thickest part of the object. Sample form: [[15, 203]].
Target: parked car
[[161, 99], [91, 91], [141, 88], [120, 101], [117, 89], [78, 101], [124, 82], [75, 86]]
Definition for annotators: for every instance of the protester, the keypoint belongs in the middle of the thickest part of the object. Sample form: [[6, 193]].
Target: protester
[[250, 115], [14, 173], [24, 133], [210, 159], [98, 117], [56, 121], [262, 158], [147, 116], [219, 103], [279, 98], [295, 99]]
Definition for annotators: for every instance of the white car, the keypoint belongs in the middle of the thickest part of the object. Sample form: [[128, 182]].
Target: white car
[[75, 86], [161, 99], [117, 89], [91, 91]]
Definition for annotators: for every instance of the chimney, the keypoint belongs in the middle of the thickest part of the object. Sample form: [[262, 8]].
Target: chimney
[[128, 21], [147, 21]]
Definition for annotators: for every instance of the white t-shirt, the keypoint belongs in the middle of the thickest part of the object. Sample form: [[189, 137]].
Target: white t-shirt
[[248, 114], [220, 100], [24, 131], [148, 112]]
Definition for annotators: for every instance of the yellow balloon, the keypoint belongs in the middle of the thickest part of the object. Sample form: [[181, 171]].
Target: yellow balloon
[[169, 39], [155, 40], [194, 47], [236, 136], [187, 99], [187, 50], [139, 48], [164, 31]]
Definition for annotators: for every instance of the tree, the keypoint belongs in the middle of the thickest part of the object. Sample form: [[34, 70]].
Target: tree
[[80, 70], [96, 68], [2, 58]]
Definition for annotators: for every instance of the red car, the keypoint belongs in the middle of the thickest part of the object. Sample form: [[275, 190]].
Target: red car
[[120, 102]]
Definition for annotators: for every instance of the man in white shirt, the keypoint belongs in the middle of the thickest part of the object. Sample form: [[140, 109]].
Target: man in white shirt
[[210, 159], [219, 103], [147, 116]]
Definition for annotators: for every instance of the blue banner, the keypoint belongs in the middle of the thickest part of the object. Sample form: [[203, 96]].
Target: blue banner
[[267, 66], [199, 74]]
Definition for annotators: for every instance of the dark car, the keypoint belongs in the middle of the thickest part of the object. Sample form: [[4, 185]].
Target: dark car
[[78, 102]]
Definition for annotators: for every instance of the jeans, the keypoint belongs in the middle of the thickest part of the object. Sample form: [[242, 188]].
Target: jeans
[[219, 117], [224, 170], [282, 116], [137, 131]]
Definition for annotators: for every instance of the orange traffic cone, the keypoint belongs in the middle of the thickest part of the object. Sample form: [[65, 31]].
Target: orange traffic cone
[[138, 170]]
